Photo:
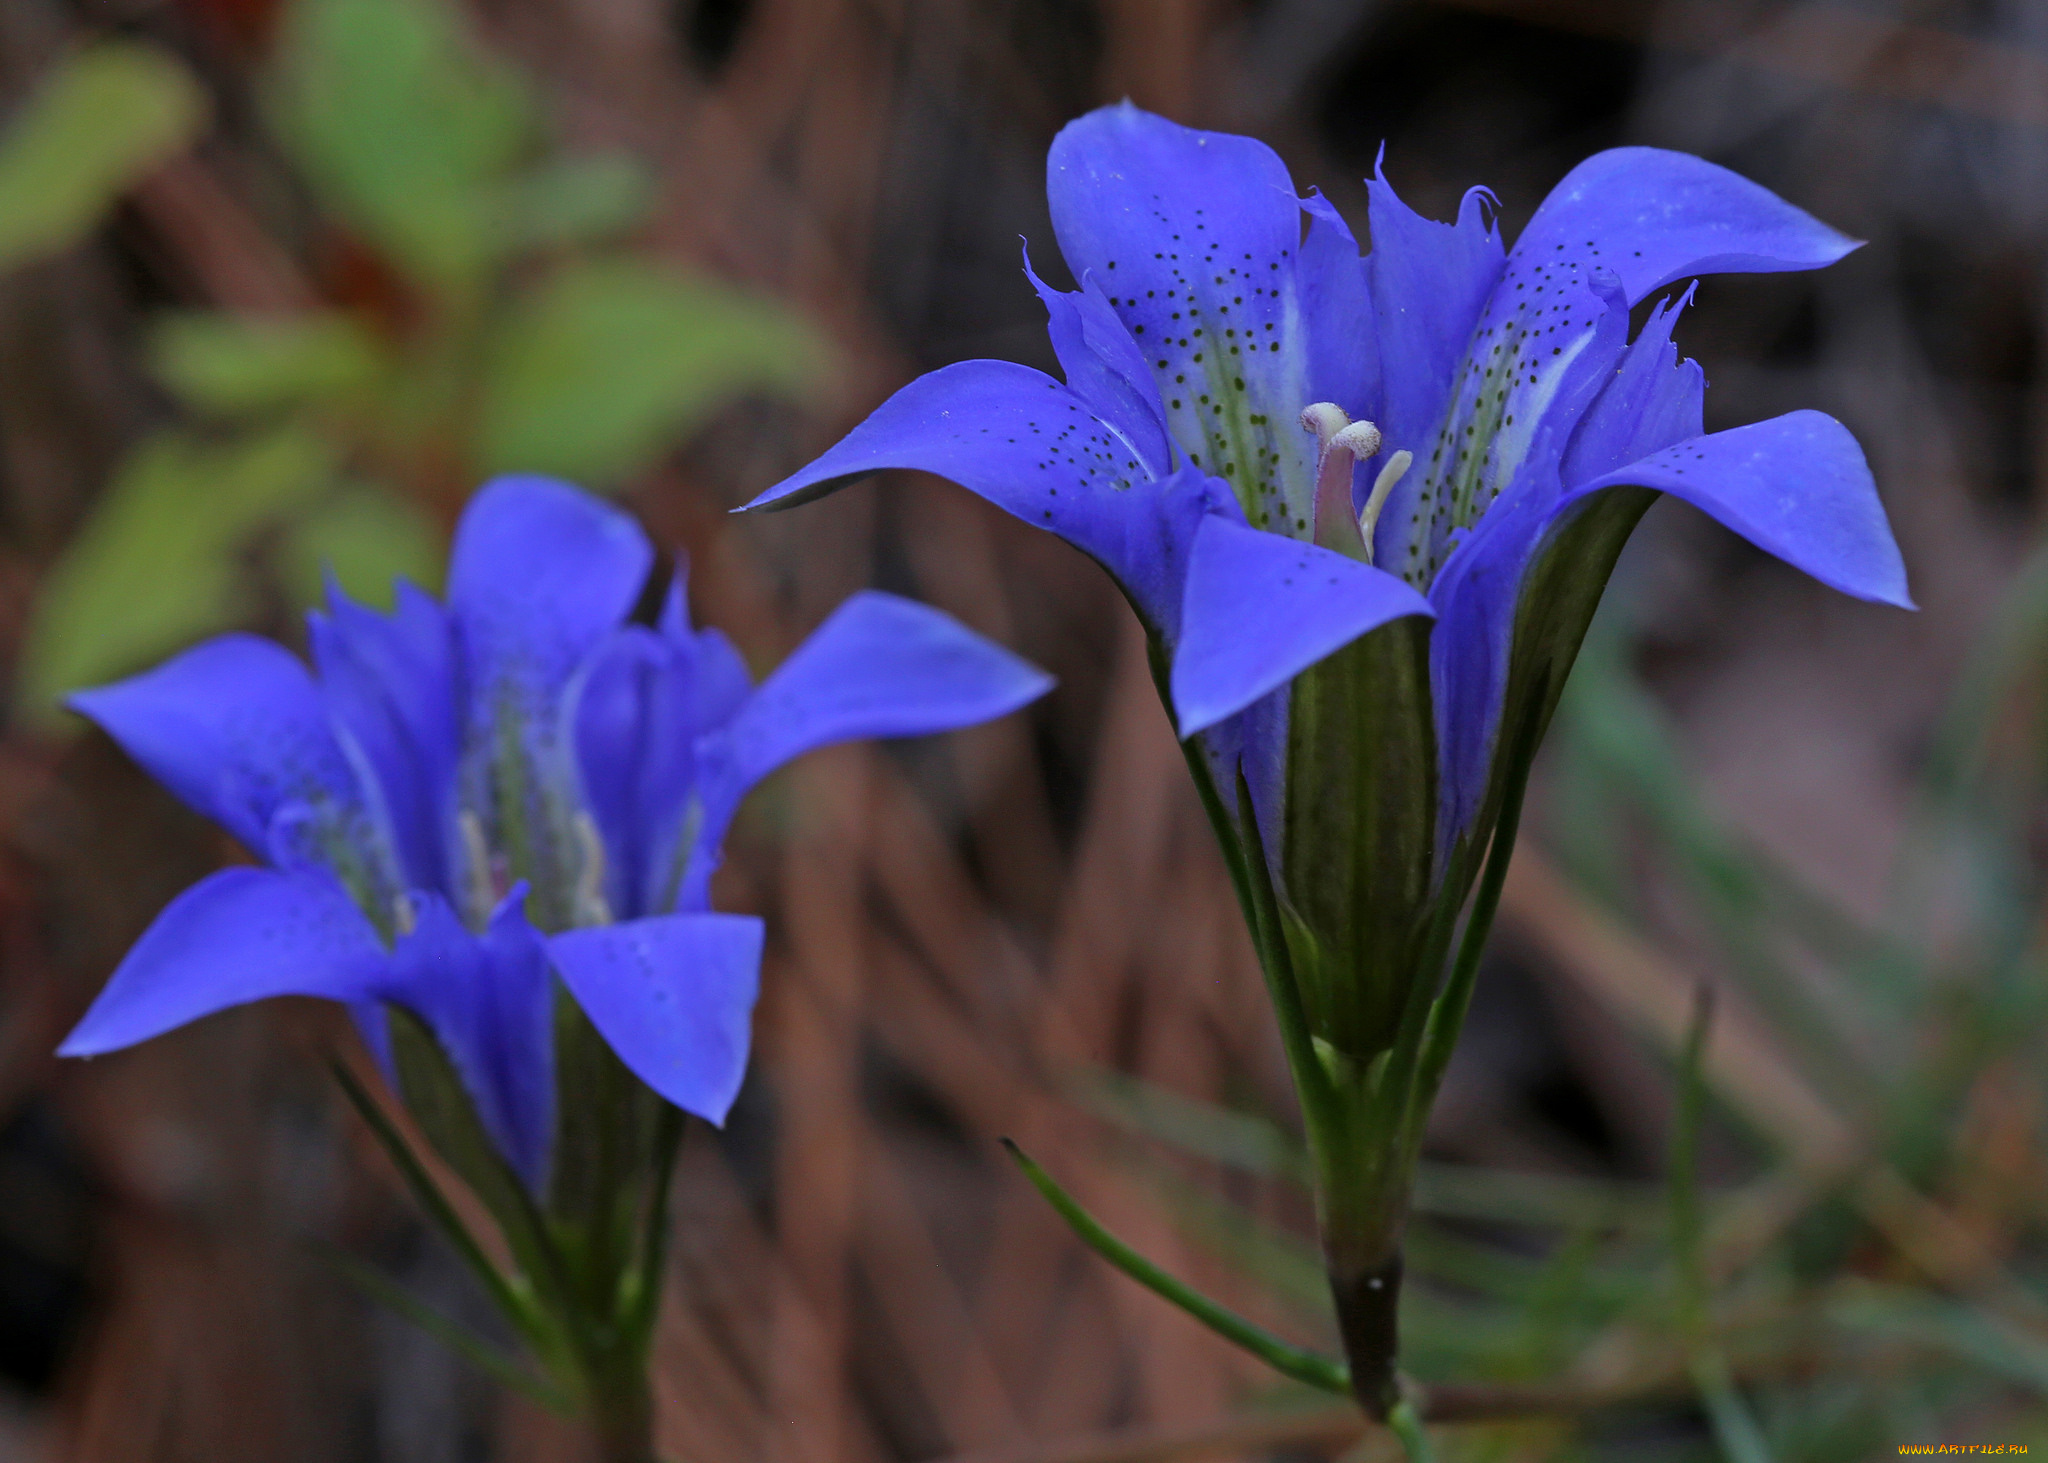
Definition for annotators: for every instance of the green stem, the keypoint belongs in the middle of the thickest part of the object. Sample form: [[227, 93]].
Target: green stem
[[1405, 1423], [1290, 1361]]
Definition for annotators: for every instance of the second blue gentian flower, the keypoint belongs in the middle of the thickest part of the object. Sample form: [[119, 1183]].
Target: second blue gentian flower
[[489, 827]]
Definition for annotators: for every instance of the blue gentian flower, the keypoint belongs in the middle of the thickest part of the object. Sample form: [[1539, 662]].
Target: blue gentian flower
[[471, 801], [1277, 446], [1365, 506]]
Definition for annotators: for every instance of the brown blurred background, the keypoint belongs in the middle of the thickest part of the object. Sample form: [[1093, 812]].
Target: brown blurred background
[[968, 935]]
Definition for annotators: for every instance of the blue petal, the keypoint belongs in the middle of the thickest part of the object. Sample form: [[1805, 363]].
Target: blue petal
[[1105, 368], [237, 936], [1645, 404], [1795, 486], [649, 697], [1193, 236], [1336, 302], [674, 996], [541, 573], [1261, 609], [880, 667], [540, 577], [719, 679], [488, 1001], [1030, 446], [1652, 401], [236, 729], [1546, 345], [634, 761], [390, 686], [1653, 217], [1428, 282], [1475, 596], [373, 1022]]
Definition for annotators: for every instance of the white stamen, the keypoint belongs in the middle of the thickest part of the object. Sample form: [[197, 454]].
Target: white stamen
[[404, 919], [1391, 472], [590, 907]]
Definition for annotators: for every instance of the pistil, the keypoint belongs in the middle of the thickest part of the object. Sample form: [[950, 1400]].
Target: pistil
[[1342, 443]]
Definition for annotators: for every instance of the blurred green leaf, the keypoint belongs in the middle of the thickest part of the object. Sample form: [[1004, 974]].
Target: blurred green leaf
[[103, 119], [1506, 1196], [223, 364], [367, 537], [1239, 1139], [155, 566], [1286, 1265], [1944, 1325], [1252, 1144], [575, 201], [612, 362], [405, 129]]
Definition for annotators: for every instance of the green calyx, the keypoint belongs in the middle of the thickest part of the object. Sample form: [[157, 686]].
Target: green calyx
[[1370, 937], [579, 1275], [1358, 835]]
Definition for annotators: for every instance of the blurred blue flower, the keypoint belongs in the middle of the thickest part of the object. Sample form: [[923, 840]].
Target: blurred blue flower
[[1278, 447], [471, 797]]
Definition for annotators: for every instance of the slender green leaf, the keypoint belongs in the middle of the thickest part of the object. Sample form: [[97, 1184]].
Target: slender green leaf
[[452, 1334], [105, 118], [1289, 1361], [1287, 1267], [508, 1293], [439, 1102], [1735, 1426], [1447, 1011]]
